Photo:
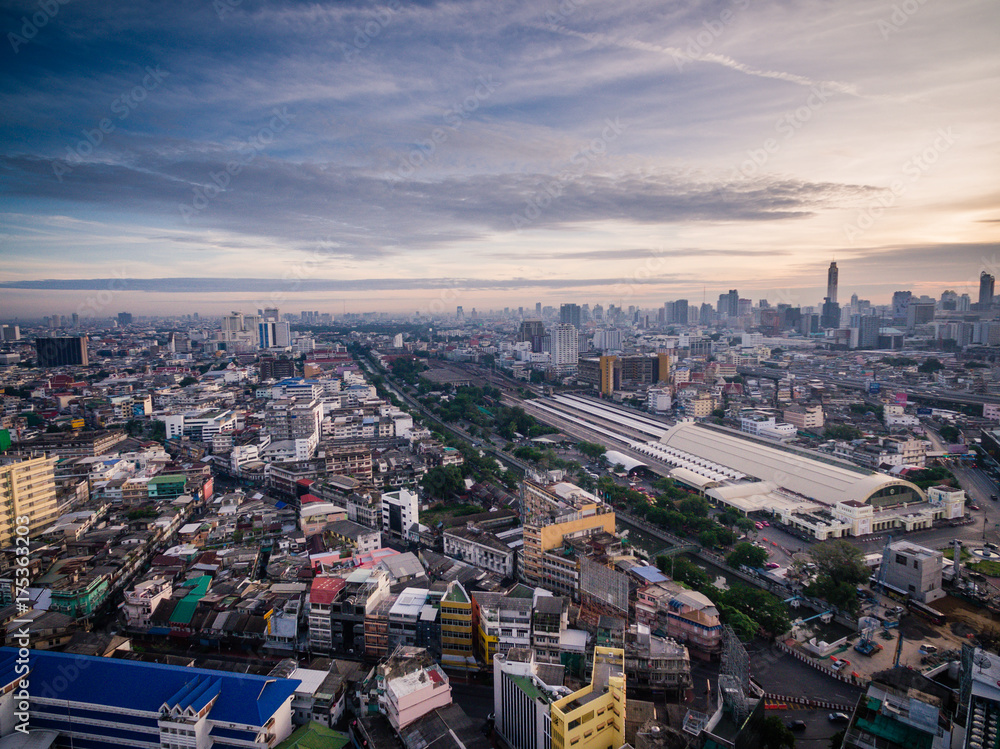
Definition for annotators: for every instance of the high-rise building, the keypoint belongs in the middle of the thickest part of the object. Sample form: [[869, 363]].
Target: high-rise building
[[564, 348], [10, 332], [900, 305], [124, 318], [274, 334], [538, 309], [400, 510], [523, 690], [27, 490], [63, 351], [830, 317], [986, 287], [832, 277], [868, 327], [569, 314]]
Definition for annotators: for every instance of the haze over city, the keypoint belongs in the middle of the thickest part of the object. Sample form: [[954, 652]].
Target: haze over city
[[404, 157]]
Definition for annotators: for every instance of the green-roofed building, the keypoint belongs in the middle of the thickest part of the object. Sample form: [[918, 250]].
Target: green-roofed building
[[167, 487], [902, 709]]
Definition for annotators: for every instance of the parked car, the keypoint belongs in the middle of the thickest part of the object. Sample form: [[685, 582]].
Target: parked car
[[772, 565], [759, 526]]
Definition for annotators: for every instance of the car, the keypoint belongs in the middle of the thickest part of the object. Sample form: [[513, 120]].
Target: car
[[796, 725], [765, 523], [973, 507], [772, 565], [759, 526], [837, 665], [838, 717]]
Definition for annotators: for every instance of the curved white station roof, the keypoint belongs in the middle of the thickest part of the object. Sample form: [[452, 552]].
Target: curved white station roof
[[828, 482]]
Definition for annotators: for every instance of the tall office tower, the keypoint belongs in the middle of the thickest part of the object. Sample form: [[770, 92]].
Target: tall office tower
[[901, 304], [868, 327], [27, 489], [538, 309], [270, 314], [832, 276], [532, 331], [744, 307], [731, 305], [705, 314], [564, 348], [11, 332], [598, 312], [76, 320], [986, 283], [459, 313], [273, 334], [124, 318], [681, 311], [830, 317], [569, 314], [64, 351], [964, 303]]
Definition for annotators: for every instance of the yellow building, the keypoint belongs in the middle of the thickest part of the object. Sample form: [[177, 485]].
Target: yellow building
[[457, 641], [27, 490], [608, 364], [593, 717]]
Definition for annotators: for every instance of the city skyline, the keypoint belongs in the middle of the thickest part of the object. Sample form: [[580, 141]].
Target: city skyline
[[411, 158]]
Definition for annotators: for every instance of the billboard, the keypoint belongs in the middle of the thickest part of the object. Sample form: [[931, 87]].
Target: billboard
[[901, 399], [924, 411], [874, 387]]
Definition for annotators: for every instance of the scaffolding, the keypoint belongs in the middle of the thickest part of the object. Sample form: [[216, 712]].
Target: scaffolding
[[734, 676]]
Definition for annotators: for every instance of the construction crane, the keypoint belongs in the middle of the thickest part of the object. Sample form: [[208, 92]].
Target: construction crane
[[867, 645]]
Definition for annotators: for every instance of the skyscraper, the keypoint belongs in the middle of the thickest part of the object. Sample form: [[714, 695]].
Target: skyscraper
[[986, 283], [64, 351], [569, 314], [832, 276]]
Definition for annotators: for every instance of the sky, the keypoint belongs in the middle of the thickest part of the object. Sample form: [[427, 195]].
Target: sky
[[167, 158]]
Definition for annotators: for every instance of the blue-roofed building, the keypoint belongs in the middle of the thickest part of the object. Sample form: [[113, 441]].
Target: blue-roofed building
[[107, 703]]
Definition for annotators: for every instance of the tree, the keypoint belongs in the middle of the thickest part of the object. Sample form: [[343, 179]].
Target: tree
[[774, 734], [747, 554], [694, 506], [188, 381], [930, 366], [840, 567], [442, 482], [592, 450], [842, 432], [950, 434]]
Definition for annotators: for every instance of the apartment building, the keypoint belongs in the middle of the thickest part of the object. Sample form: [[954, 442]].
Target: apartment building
[[502, 622], [27, 491], [480, 548], [684, 615], [593, 717], [523, 692]]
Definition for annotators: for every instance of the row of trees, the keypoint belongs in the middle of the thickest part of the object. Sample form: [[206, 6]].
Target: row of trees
[[749, 611]]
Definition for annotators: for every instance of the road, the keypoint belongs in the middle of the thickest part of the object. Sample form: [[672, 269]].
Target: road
[[780, 673], [819, 730]]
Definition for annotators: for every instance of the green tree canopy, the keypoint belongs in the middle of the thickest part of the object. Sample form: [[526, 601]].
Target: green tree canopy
[[747, 554]]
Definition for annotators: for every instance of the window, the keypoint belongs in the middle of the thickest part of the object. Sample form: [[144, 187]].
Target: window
[[900, 559]]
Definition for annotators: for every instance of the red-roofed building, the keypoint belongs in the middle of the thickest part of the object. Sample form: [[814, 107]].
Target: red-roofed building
[[323, 595], [308, 499]]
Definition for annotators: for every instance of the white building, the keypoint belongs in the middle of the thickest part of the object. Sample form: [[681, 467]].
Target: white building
[[413, 685], [658, 400], [764, 425], [480, 548], [564, 348], [142, 600], [523, 690], [400, 511]]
